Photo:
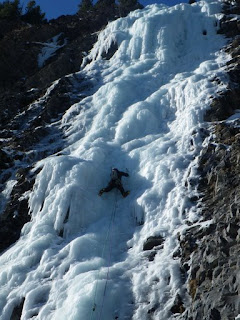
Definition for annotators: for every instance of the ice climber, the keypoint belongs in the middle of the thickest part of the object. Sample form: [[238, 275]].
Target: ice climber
[[115, 182]]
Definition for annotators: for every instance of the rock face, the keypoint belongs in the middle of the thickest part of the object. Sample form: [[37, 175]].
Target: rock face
[[210, 252], [152, 242]]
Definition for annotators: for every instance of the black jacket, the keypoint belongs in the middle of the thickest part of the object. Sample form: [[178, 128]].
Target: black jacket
[[121, 173]]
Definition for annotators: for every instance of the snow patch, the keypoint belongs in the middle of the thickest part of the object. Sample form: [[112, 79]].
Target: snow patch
[[49, 49]]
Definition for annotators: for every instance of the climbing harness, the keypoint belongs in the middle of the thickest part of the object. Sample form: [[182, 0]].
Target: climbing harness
[[108, 240]]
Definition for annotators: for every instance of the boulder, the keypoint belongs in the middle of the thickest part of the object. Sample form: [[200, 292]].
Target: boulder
[[152, 242]]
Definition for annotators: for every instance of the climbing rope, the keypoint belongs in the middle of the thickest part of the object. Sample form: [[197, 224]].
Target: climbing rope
[[108, 240], [110, 254]]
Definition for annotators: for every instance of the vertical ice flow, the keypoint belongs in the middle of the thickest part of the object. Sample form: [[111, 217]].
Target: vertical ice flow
[[81, 256]]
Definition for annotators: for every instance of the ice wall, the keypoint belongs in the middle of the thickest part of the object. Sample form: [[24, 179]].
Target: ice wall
[[81, 256]]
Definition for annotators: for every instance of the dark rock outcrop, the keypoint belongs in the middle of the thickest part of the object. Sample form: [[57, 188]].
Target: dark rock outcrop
[[178, 306], [210, 251], [214, 283], [152, 245], [5, 160], [152, 242], [15, 214], [17, 311]]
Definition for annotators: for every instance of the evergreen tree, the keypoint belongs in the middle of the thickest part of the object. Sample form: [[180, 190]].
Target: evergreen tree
[[105, 3], [125, 6], [33, 14], [13, 11], [85, 5], [10, 10], [106, 6]]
